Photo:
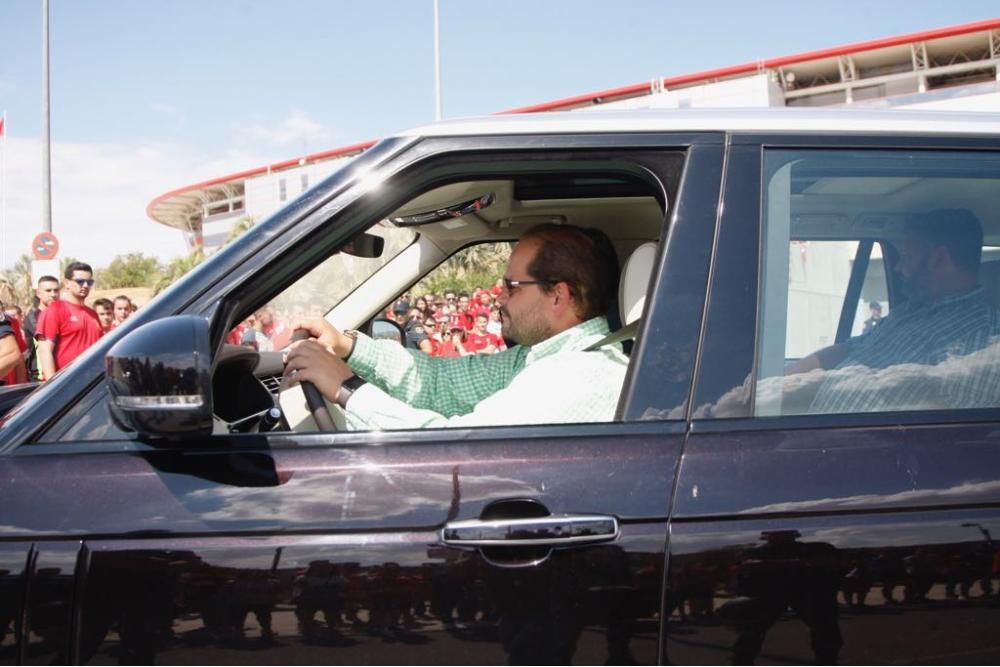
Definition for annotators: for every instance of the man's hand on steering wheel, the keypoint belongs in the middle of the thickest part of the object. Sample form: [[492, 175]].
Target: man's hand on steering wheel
[[311, 361], [326, 334]]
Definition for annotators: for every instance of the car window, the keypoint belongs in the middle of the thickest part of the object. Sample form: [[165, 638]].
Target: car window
[[878, 286], [312, 295]]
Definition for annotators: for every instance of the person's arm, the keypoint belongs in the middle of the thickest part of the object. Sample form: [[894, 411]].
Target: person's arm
[[46, 334], [825, 359], [10, 356], [46, 359], [575, 389], [447, 386]]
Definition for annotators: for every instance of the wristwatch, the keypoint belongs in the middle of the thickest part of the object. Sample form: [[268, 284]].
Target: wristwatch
[[353, 335], [347, 389]]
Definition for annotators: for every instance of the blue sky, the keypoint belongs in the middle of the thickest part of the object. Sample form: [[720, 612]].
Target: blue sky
[[148, 97]]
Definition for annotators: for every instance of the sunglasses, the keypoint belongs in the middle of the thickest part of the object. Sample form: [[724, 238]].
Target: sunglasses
[[511, 285], [84, 282]]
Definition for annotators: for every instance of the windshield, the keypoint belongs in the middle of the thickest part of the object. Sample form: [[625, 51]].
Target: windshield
[[317, 292]]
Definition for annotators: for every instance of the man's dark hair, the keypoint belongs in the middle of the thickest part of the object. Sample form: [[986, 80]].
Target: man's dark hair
[[103, 302], [49, 279], [582, 258], [77, 266], [957, 230]]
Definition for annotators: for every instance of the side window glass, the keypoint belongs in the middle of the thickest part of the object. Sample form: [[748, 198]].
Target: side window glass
[[269, 327], [820, 296], [878, 289], [454, 310]]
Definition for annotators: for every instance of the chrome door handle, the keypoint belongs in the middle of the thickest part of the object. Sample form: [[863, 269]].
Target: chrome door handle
[[554, 531]]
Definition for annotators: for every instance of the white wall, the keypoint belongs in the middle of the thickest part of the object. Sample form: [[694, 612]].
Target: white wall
[[262, 193], [750, 91]]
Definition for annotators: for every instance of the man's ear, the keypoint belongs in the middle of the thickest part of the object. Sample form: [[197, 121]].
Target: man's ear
[[562, 297], [939, 258]]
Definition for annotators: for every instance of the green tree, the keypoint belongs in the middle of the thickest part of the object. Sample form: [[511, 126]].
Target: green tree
[[131, 270], [476, 266], [176, 268], [18, 281], [64, 262]]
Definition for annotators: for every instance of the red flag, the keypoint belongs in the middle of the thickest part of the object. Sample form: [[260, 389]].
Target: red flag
[[2, 120]]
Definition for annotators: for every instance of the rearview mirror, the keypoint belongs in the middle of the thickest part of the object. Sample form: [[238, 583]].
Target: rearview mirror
[[364, 245], [159, 378]]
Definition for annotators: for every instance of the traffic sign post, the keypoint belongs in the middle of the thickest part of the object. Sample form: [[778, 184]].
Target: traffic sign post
[[44, 246]]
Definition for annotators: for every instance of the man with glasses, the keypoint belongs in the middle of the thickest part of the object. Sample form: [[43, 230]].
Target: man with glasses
[[68, 326], [560, 281]]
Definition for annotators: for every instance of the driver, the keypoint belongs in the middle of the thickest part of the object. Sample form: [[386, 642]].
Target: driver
[[560, 280]]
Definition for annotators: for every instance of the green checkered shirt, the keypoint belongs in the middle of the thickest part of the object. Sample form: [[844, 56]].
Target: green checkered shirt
[[556, 381]]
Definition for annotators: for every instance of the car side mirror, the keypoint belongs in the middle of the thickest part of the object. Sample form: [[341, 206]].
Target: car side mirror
[[159, 378]]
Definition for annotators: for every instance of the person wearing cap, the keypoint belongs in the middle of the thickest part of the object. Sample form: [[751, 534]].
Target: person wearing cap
[[876, 316], [415, 335], [453, 345], [560, 280]]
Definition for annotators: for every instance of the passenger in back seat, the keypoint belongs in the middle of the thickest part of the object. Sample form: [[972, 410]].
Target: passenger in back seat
[[940, 349]]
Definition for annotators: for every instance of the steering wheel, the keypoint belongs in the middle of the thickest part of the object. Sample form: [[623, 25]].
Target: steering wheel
[[314, 399]]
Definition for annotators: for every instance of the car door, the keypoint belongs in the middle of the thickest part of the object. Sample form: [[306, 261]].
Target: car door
[[858, 535], [441, 546]]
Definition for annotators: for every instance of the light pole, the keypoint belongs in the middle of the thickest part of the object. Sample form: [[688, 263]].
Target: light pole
[[437, 60], [46, 134]]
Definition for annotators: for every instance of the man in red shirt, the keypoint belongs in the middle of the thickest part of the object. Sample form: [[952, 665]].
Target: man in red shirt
[[462, 311], [481, 306], [479, 341], [105, 310], [68, 327]]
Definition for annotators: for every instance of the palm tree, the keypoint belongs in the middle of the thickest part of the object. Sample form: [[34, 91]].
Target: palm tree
[[19, 288], [242, 225]]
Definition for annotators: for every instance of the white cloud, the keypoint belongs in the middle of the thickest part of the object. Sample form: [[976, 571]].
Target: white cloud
[[295, 129], [99, 196]]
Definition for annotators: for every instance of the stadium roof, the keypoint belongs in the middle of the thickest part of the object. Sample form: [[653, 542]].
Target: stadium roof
[[801, 73]]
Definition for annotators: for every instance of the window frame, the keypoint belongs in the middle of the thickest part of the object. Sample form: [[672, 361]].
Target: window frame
[[732, 321], [346, 212]]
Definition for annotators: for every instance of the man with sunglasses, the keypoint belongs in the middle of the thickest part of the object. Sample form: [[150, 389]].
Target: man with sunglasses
[[68, 326], [560, 281]]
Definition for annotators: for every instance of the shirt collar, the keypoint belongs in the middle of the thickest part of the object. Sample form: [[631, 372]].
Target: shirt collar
[[580, 337]]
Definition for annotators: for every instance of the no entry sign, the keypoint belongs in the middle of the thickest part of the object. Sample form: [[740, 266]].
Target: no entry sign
[[45, 246]]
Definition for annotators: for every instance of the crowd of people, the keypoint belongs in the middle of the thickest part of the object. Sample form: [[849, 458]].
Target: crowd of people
[[451, 324], [58, 328]]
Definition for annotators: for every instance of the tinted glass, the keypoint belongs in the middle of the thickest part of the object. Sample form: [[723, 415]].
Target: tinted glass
[[878, 286]]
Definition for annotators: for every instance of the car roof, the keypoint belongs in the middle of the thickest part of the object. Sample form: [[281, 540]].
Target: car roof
[[768, 120]]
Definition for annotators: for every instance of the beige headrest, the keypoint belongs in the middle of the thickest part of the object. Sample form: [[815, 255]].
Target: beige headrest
[[635, 281]]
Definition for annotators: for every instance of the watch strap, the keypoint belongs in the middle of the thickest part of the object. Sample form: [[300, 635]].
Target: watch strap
[[347, 389]]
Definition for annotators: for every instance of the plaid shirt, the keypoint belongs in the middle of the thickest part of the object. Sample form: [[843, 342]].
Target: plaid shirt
[[555, 381], [940, 355]]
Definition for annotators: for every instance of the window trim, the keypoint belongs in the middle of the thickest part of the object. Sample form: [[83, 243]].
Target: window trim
[[742, 224], [346, 211]]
